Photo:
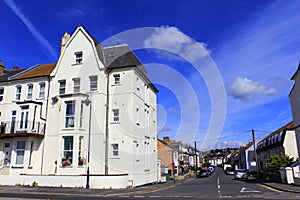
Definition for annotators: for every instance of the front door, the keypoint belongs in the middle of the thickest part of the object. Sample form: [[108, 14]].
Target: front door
[[7, 153]]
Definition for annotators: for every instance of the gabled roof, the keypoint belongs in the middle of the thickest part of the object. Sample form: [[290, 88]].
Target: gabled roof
[[165, 143], [5, 77], [37, 71]]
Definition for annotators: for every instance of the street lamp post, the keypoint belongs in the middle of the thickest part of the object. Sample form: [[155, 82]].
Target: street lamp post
[[88, 102]]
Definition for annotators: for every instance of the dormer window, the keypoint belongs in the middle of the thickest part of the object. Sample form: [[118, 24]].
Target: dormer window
[[78, 57]]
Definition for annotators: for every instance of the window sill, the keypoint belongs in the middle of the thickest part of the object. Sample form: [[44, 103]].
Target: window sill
[[18, 166], [40, 98], [68, 129], [76, 64], [115, 158], [118, 84], [30, 167], [114, 122]]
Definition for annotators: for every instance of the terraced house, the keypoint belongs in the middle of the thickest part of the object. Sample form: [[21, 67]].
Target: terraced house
[[23, 118], [90, 119]]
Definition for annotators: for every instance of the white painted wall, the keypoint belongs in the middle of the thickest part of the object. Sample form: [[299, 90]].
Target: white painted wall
[[7, 106], [290, 144]]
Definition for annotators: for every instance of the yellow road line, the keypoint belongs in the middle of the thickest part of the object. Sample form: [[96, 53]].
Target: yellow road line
[[270, 188]]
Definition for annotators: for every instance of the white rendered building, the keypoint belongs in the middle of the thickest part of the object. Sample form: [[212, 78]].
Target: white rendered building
[[101, 118], [118, 118], [23, 104]]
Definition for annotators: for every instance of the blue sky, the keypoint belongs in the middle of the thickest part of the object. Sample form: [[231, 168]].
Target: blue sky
[[253, 47]]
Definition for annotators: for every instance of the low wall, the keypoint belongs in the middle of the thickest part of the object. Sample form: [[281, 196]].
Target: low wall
[[99, 182]]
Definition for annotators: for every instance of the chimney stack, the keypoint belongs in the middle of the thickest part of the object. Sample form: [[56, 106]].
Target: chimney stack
[[64, 41], [2, 66], [16, 68]]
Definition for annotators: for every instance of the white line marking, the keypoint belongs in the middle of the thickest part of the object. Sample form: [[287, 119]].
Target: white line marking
[[248, 190]]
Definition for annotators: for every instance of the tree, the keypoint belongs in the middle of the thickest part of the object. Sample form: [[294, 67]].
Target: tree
[[277, 161]]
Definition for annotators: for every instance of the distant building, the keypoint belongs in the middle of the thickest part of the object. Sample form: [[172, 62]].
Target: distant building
[[279, 142], [295, 104]]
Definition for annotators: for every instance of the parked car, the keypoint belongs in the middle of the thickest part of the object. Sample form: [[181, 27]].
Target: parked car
[[229, 171], [211, 170], [202, 173], [241, 174]]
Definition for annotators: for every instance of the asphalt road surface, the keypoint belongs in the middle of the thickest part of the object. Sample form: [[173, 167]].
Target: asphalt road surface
[[217, 186]]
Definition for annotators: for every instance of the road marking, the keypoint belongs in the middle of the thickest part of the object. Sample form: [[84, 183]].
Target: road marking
[[219, 187], [248, 190], [268, 187]]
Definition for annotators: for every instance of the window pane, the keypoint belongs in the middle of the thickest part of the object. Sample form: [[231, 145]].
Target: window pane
[[93, 83], [115, 115], [68, 151], [42, 90], [76, 84], [78, 57], [1, 90], [20, 157], [70, 113], [117, 78], [21, 145], [62, 86]]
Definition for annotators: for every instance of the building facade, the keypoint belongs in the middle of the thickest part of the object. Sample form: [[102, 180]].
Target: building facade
[[99, 116], [23, 118], [279, 142], [295, 105]]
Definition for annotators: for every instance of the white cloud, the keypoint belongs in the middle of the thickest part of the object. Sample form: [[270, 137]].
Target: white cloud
[[171, 39], [31, 28], [244, 89], [174, 111], [231, 144]]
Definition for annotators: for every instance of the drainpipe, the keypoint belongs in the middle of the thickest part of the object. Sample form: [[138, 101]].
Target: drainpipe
[[43, 151], [106, 124]]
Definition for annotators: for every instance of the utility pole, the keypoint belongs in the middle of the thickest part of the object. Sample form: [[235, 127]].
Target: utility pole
[[196, 155], [254, 147]]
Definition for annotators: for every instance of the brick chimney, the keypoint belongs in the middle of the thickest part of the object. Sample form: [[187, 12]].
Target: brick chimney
[[64, 41], [166, 139], [2, 66], [16, 68]]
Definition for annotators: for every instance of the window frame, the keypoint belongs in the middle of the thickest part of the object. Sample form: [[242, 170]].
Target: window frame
[[115, 150], [18, 92], [62, 86], [116, 115], [78, 57], [29, 91], [22, 151], [1, 93], [117, 79], [76, 85], [42, 90], [65, 160], [94, 83], [71, 115]]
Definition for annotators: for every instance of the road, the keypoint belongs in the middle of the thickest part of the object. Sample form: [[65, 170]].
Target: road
[[217, 186]]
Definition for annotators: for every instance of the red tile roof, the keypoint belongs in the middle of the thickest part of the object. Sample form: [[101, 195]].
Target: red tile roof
[[39, 71]]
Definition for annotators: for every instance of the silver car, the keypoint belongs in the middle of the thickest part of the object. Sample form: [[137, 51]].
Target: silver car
[[241, 174]]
